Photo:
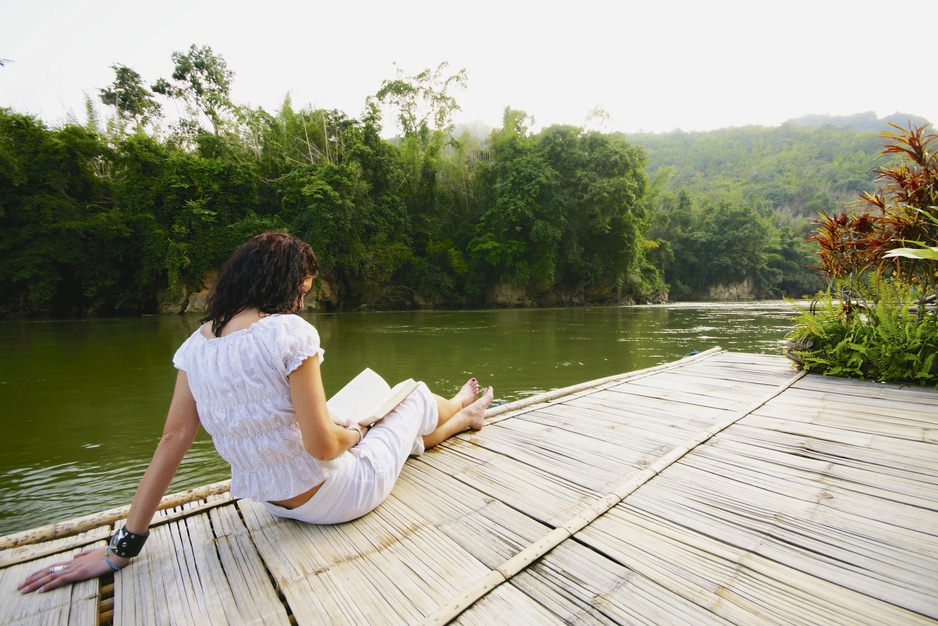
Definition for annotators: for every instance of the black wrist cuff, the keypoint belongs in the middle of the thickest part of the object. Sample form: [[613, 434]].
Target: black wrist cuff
[[126, 544]]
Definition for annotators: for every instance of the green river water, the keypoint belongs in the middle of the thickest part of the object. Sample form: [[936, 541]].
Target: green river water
[[83, 401]]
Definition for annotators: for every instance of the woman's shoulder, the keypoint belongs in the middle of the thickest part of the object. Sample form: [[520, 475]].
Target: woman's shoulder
[[293, 338], [191, 344], [288, 320], [287, 326]]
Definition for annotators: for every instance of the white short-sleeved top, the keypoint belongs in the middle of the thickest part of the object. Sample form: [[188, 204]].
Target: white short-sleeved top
[[241, 387]]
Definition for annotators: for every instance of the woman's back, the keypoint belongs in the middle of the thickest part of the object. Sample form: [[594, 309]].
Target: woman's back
[[240, 382]]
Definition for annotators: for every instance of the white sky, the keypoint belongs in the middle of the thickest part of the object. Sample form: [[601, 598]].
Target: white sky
[[652, 65]]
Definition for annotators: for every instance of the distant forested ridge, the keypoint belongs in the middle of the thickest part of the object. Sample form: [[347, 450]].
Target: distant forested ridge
[[134, 212], [805, 165], [740, 202]]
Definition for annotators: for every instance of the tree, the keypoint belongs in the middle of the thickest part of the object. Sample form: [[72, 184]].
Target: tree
[[132, 101], [516, 240], [720, 242], [424, 107], [64, 248], [605, 226], [423, 102], [203, 81]]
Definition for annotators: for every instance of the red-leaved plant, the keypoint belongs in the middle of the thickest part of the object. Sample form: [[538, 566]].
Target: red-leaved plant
[[903, 213]]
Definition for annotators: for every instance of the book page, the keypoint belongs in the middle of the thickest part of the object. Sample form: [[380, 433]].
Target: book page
[[353, 401], [389, 402], [367, 398]]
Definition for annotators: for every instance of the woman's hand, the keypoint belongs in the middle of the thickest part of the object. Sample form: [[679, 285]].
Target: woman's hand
[[323, 439], [85, 565], [354, 426]]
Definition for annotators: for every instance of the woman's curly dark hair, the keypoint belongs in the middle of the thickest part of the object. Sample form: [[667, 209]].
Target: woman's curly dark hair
[[267, 273]]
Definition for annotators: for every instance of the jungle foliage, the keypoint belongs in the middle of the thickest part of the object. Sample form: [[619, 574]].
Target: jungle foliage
[[117, 217]]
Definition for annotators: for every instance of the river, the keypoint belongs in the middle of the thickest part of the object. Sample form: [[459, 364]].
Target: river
[[83, 401]]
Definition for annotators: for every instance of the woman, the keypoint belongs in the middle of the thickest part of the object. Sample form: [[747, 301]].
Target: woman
[[250, 375]]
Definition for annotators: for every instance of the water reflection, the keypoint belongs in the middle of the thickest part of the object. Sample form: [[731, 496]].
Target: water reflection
[[84, 400]]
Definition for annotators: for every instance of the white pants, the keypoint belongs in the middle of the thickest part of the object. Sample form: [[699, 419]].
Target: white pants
[[364, 476]]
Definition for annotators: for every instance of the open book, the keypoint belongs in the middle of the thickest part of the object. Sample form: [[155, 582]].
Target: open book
[[367, 398]]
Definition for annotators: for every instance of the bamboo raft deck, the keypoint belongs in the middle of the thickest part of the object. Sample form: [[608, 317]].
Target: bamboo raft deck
[[722, 488]]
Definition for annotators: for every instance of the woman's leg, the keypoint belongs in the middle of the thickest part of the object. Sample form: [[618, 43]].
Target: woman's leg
[[470, 415], [466, 396]]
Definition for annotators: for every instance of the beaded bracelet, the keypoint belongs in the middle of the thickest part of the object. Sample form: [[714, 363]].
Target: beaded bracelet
[[108, 559]]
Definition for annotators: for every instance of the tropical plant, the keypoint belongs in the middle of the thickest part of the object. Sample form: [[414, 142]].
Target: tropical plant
[[884, 340], [880, 260]]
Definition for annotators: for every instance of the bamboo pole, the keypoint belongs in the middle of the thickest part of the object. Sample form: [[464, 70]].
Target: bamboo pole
[[566, 392], [31, 552], [66, 528]]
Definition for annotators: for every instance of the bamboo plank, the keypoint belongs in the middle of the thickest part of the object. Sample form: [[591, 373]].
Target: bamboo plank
[[761, 369], [32, 551], [886, 391], [795, 418], [388, 567], [582, 586], [917, 414], [843, 547], [769, 374], [201, 569], [255, 600], [486, 528], [879, 454], [594, 465], [73, 604], [675, 393], [29, 551], [162, 585], [556, 537], [734, 583], [884, 453], [627, 417], [855, 536], [512, 409], [314, 568], [892, 477], [531, 490], [821, 496], [707, 381], [888, 421], [819, 506]]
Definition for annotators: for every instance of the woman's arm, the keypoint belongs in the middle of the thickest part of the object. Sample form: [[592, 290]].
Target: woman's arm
[[322, 437], [182, 425]]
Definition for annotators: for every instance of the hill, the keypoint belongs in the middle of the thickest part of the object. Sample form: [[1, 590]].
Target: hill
[[806, 165], [862, 122]]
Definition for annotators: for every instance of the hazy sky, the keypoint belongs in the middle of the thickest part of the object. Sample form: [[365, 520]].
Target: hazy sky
[[653, 65]]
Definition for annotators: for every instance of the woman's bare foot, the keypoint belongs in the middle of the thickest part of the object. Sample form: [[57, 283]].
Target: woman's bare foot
[[475, 412], [471, 416], [468, 394]]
